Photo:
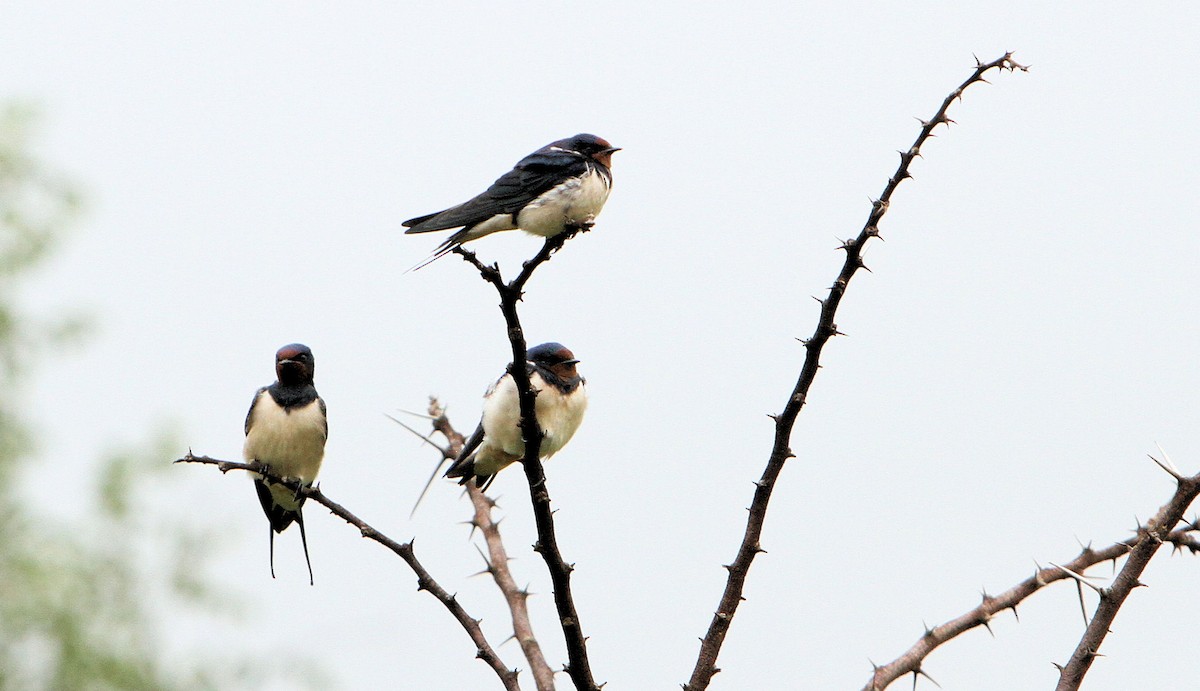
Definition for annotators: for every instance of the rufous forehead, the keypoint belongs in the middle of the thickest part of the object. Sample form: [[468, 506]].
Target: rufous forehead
[[289, 352]]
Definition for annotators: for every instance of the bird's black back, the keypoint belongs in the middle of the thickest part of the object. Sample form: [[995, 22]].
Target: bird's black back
[[534, 175]]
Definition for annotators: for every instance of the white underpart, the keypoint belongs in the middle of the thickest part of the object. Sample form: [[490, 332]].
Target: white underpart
[[292, 443], [558, 414], [494, 224], [578, 200]]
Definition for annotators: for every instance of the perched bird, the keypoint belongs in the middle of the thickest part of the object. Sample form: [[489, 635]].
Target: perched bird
[[497, 441], [565, 182], [286, 430]]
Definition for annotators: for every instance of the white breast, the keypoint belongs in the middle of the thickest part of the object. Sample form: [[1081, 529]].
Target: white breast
[[577, 200], [558, 415], [292, 443]]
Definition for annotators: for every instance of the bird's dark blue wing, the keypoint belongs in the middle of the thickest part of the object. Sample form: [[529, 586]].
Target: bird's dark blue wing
[[464, 465], [250, 412], [467, 449], [469, 446], [534, 175], [324, 415]]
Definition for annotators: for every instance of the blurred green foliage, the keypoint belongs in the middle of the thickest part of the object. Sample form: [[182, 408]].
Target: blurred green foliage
[[81, 602]]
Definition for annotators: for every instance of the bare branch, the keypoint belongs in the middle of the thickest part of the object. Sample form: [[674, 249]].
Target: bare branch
[[912, 659], [441, 423], [1149, 538], [497, 558], [578, 667], [425, 581], [515, 596], [710, 646]]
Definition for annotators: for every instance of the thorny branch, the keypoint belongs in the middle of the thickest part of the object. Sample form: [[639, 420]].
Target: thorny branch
[[991, 605], [710, 645], [1141, 548], [578, 666], [497, 557], [425, 581], [496, 564]]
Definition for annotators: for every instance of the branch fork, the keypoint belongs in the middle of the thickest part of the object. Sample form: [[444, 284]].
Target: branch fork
[[578, 667]]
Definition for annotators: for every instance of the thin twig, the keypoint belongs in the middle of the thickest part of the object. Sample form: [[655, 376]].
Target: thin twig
[[425, 581], [1080, 579], [516, 596], [1149, 538], [910, 662], [578, 666], [497, 559], [710, 645]]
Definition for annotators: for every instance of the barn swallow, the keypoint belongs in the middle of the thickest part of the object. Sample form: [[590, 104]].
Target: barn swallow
[[286, 430], [497, 441], [563, 183]]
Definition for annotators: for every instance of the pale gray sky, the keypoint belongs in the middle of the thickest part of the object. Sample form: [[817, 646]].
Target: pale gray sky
[[1028, 334]]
